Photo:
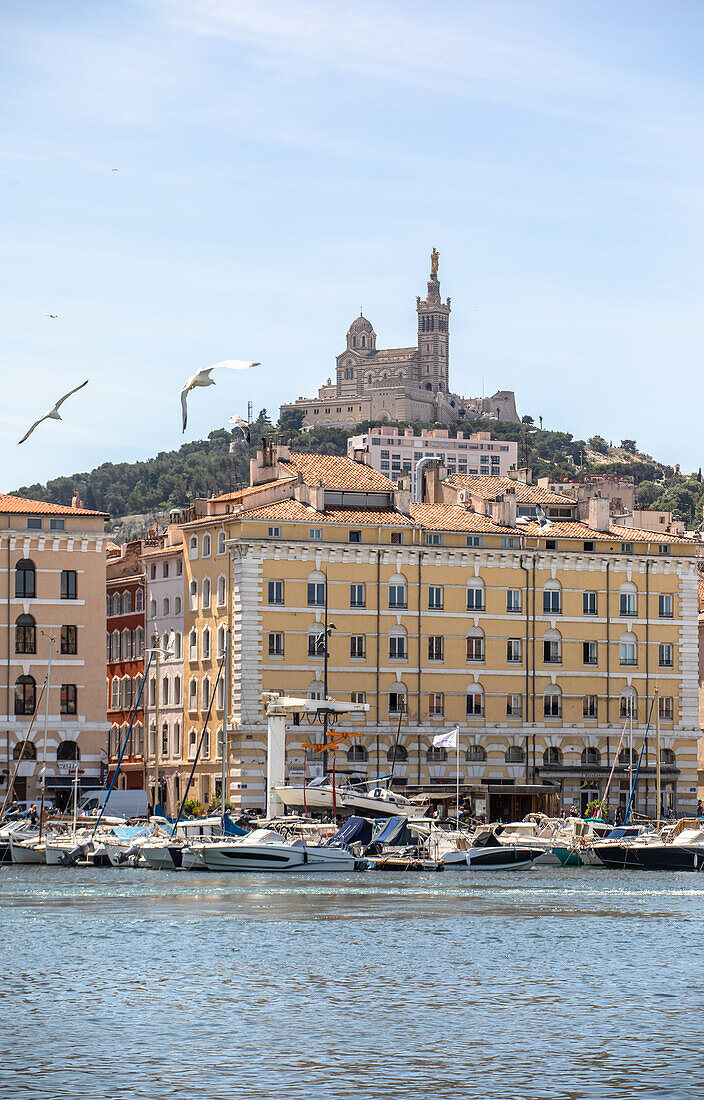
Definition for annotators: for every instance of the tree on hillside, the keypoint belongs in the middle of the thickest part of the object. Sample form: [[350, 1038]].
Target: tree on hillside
[[599, 444], [629, 445], [527, 420]]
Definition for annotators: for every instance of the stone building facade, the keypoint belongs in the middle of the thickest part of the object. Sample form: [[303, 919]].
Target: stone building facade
[[400, 384]]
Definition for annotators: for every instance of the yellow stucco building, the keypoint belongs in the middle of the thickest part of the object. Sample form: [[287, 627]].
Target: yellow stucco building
[[540, 643]]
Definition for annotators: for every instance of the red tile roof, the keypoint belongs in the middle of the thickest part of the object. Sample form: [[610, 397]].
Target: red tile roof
[[337, 472], [453, 517], [488, 487], [294, 511], [238, 495], [22, 506]]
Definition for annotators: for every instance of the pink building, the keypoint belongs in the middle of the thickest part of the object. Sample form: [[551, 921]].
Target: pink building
[[394, 453]]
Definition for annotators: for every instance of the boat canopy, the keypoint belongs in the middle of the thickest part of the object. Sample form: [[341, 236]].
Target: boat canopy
[[356, 830]]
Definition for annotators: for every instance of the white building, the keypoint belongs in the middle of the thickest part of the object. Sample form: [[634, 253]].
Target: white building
[[164, 626], [395, 454]]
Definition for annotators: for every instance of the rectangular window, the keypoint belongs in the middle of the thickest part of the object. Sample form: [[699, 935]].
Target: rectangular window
[[34, 523], [355, 536], [551, 544], [513, 650], [397, 702], [397, 647], [665, 656], [357, 646], [664, 548], [627, 654], [590, 705], [69, 639], [665, 607], [552, 706], [513, 599], [435, 597], [475, 599], [475, 704], [666, 708], [475, 540], [358, 697], [357, 595], [475, 648], [57, 525], [626, 547], [551, 601], [276, 644], [589, 653], [68, 584], [436, 704], [589, 604], [276, 592], [397, 595], [508, 542], [274, 532], [589, 547], [628, 604], [552, 652], [69, 699], [514, 706], [316, 594], [316, 534], [435, 647], [434, 538], [397, 538]]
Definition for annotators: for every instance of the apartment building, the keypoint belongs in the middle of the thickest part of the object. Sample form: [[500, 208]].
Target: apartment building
[[124, 647], [395, 453], [541, 642], [53, 561], [164, 579]]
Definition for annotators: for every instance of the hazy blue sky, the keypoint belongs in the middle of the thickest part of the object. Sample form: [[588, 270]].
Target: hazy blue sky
[[282, 163]]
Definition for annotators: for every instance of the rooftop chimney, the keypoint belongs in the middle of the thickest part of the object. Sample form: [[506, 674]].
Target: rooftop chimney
[[599, 513]]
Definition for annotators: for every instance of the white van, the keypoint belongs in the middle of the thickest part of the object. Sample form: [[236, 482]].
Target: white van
[[120, 804]]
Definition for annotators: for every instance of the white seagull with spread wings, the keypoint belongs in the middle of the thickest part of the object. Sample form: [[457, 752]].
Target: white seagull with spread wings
[[202, 378], [53, 413]]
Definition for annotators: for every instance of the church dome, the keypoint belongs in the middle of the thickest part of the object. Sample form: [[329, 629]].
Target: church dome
[[361, 337], [359, 325]]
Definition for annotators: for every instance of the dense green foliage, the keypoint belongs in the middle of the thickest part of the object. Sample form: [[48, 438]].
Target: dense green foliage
[[220, 463]]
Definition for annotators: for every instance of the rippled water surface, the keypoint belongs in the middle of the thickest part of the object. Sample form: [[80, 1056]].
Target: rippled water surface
[[543, 983]]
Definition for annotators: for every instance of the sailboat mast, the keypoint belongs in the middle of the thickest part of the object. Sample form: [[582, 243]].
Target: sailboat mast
[[42, 774], [657, 754], [225, 727]]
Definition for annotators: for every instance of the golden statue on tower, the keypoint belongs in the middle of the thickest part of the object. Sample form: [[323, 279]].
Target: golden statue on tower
[[434, 258]]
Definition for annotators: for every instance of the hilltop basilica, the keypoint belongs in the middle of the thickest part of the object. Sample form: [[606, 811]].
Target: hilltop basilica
[[400, 383]]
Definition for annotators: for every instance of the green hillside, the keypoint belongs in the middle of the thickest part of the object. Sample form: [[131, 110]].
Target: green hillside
[[203, 468]]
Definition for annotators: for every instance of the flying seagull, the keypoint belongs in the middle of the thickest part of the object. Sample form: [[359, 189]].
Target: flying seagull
[[53, 413], [243, 426], [52, 315], [202, 378]]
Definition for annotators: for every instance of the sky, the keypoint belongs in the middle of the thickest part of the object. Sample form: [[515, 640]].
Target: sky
[[282, 164]]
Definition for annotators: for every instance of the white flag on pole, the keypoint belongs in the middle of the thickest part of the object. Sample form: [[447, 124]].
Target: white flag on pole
[[446, 740]]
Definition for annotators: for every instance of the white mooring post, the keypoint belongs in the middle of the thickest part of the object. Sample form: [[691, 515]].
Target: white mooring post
[[275, 763]]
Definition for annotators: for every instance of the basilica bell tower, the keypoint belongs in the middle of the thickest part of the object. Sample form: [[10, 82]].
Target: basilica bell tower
[[434, 334]]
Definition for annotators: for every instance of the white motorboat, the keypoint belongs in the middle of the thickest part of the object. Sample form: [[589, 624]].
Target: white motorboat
[[268, 850], [367, 799], [27, 849]]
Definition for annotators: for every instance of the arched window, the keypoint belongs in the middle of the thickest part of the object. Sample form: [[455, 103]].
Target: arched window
[[177, 691], [668, 758], [152, 609], [165, 690], [192, 744], [475, 645], [475, 701], [552, 755], [475, 594], [137, 738], [628, 703], [514, 754], [137, 687], [176, 739], [221, 591], [126, 603], [220, 695], [628, 650], [552, 702], [193, 592], [628, 599], [193, 547], [357, 754], [108, 604], [435, 754], [177, 645], [625, 757], [24, 749], [115, 693], [193, 694], [67, 750], [206, 592], [166, 606], [206, 644], [25, 695], [316, 640], [139, 600], [552, 647], [25, 634], [117, 604], [221, 542], [193, 645], [177, 605], [475, 754], [552, 598], [316, 589], [139, 636], [315, 690], [25, 580], [397, 753], [206, 545], [126, 645], [591, 756], [113, 741], [126, 692], [221, 640]]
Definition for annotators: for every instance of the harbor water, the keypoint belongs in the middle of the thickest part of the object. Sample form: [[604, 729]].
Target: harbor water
[[549, 983]]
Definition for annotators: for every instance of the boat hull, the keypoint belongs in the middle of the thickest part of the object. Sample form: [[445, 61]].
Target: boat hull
[[268, 857], [671, 857], [27, 853], [320, 798], [502, 858], [617, 856]]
